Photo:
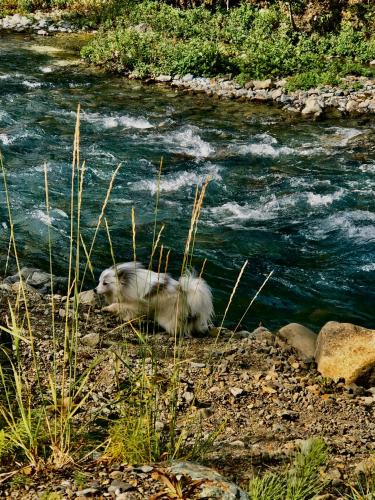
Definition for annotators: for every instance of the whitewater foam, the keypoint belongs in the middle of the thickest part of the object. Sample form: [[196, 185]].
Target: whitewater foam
[[358, 225], [187, 140], [342, 135], [114, 121], [6, 140], [316, 200], [368, 267], [175, 182], [264, 145], [31, 85]]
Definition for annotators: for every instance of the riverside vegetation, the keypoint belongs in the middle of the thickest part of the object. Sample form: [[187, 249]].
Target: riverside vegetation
[[312, 43], [87, 401]]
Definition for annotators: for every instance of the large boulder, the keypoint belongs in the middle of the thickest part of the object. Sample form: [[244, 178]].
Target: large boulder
[[346, 351], [302, 339]]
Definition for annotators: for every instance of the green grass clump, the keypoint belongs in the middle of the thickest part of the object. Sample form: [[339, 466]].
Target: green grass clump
[[301, 481]]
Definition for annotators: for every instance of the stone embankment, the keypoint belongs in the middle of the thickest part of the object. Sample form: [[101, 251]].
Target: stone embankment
[[355, 97], [40, 23]]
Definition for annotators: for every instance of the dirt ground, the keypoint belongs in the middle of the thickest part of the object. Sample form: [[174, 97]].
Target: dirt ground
[[264, 400]]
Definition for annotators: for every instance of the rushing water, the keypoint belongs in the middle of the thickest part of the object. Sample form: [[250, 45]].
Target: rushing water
[[290, 196]]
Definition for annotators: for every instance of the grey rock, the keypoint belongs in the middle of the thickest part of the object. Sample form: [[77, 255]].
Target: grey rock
[[275, 94], [263, 84], [188, 78], [197, 365], [216, 486], [88, 297], [313, 106], [236, 391], [163, 78], [286, 99], [302, 339], [352, 106], [86, 492], [122, 486], [144, 468], [91, 339]]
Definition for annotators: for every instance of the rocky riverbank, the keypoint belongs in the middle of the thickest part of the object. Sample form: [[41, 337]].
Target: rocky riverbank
[[40, 23], [264, 385], [355, 96]]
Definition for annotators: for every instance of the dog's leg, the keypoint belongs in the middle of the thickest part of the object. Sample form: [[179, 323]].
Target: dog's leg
[[121, 310], [112, 308]]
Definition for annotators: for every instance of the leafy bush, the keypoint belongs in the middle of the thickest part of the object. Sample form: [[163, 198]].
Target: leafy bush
[[245, 41]]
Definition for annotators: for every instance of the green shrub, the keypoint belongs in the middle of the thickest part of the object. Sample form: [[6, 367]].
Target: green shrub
[[245, 41]]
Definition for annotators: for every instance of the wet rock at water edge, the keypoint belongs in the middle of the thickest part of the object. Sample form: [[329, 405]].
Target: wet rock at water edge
[[313, 106], [346, 351], [39, 280], [302, 339]]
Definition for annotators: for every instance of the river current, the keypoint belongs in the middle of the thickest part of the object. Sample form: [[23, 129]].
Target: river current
[[290, 196]]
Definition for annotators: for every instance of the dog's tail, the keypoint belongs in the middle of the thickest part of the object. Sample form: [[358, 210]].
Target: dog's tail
[[199, 303]]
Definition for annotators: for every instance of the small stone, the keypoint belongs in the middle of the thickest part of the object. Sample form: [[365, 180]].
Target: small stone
[[313, 106], [91, 339], [197, 365], [86, 492], [263, 84], [144, 468], [89, 298], [188, 396], [119, 485], [236, 391], [163, 78], [116, 474]]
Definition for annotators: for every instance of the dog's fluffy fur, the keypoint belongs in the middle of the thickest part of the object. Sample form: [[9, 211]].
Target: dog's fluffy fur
[[183, 306]]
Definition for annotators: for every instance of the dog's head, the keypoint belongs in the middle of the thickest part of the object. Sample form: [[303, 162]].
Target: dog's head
[[113, 281]]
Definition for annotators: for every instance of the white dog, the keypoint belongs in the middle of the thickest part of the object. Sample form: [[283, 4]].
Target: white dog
[[183, 306]]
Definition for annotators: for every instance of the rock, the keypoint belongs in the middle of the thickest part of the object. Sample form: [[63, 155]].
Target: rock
[[281, 83], [236, 391], [197, 365], [263, 84], [91, 339], [163, 78], [216, 485], [188, 78], [263, 335], [346, 351], [88, 298], [86, 492], [351, 106], [119, 486], [302, 339], [313, 106], [372, 63], [39, 280], [275, 94]]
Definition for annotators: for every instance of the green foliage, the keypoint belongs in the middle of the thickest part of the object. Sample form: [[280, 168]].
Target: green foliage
[[151, 38], [312, 79], [301, 481]]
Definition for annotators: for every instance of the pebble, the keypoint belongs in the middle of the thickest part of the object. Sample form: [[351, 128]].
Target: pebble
[[86, 492], [236, 391]]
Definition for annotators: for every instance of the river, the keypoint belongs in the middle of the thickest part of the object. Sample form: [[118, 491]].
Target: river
[[290, 196]]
